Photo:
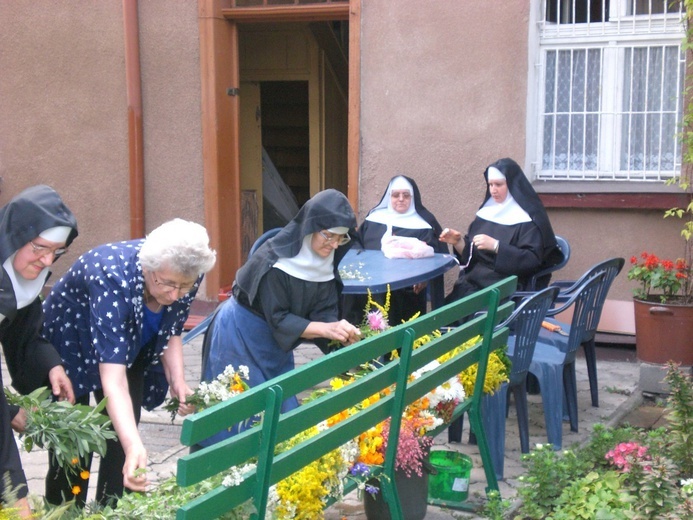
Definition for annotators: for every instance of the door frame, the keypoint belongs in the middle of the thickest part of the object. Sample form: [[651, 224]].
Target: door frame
[[220, 106]]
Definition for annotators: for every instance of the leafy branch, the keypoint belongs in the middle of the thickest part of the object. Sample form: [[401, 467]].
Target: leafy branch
[[71, 432]]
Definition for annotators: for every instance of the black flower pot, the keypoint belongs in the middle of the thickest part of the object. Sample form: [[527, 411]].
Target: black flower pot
[[413, 496]]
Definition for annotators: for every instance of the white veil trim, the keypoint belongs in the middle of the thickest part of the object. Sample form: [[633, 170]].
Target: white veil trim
[[25, 291], [506, 213], [307, 264], [384, 213]]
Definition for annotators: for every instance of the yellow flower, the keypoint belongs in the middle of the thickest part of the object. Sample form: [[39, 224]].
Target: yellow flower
[[336, 383], [84, 474], [384, 309], [496, 370], [75, 460], [76, 490], [303, 494]]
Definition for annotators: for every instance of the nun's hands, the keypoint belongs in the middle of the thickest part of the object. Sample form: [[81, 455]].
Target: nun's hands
[[485, 243], [341, 331], [450, 236], [417, 288], [344, 332], [18, 422]]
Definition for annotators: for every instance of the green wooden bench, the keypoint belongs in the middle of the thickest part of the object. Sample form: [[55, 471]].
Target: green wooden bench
[[259, 442]]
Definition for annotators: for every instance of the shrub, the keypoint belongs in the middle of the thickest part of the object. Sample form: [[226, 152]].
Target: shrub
[[622, 472]]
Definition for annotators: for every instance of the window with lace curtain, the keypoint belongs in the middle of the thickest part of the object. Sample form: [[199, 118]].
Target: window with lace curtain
[[610, 82]]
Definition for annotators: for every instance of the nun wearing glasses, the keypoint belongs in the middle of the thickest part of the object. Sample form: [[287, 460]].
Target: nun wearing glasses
[[116, 318], [511, 234], [36, 228], [401, 213], [286, 293]]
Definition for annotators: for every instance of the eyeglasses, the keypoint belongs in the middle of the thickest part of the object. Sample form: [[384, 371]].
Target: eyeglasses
[[400, 195], [42, 251], [335, 239], [168, 285]]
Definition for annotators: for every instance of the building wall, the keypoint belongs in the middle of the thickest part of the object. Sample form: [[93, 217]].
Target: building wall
[[170, 60], [444, 94], [63, 111], [63, 119]]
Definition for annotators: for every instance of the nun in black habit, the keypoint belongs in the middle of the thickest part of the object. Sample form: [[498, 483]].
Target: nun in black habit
[[401, 213], [36, 228], [511, 234], [286, 293]]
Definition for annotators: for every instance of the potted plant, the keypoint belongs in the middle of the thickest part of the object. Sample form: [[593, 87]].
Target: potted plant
[[664, 299], [663, 304]]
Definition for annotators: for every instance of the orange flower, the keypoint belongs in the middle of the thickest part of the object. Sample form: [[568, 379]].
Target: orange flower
[[76, 490], [344, 414], [75, 460], [84, 474]]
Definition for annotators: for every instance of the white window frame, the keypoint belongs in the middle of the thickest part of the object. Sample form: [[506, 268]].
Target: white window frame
[[613, 37]]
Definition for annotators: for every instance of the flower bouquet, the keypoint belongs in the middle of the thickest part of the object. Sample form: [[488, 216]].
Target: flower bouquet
[[229, 383]]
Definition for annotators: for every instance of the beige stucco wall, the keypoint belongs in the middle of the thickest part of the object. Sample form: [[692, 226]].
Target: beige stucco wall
[[441, 98], [63, 111], [596, 235], [170, 60], [444, 94]]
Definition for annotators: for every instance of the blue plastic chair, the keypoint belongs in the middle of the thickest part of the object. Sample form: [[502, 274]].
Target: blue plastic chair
[[201, 327], [525, 323], [611, 268], [536, 280], [263, 238], [553, 362]]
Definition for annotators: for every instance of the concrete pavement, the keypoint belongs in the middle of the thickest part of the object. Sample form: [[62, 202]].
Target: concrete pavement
[[618, 378]]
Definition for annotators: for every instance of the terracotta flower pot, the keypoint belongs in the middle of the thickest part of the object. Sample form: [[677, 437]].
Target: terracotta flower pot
[[664, 332]]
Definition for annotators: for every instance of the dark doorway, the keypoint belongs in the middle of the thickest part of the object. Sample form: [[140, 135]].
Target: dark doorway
[[285, 133]]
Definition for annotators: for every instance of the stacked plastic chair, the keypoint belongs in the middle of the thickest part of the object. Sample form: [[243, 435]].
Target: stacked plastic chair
[[525, 323], [610, 268], [553, 362], [538, 280]]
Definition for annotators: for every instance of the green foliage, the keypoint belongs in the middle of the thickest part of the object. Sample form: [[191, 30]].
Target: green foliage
[[159, 504], [592, 454], [594, 496], [655, 487], [495, 507], [656, 482], [70, 431], [680, 406], [547, 474], [9, 513], [9, 497]]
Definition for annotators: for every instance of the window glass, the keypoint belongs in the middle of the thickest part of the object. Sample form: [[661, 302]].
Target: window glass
[[610, 101]]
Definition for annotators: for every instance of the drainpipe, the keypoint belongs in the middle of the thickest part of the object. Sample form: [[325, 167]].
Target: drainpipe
[[133, 81]]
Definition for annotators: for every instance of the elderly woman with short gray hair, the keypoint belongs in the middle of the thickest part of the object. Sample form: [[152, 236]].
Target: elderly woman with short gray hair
[[116, 318]]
